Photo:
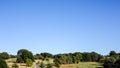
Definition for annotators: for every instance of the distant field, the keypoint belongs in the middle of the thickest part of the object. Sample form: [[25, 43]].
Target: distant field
[[83, 65], [80, 65]]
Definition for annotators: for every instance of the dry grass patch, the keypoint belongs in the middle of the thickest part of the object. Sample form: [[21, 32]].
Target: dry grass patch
[[82, 65], [11, 61]]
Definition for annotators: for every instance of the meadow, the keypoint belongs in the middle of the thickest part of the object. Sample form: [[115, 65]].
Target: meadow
[[79, 65], [83, 65]]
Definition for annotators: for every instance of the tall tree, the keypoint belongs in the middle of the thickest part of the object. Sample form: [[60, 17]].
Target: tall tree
[[77, 57], [23, 55], [112, 53]]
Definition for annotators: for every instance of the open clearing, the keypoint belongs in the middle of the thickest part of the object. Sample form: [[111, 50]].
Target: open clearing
[[80, 65]]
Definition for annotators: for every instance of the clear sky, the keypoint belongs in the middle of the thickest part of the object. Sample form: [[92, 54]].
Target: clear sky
[[60, 26]]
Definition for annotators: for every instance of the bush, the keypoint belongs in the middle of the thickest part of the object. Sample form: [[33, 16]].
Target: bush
[[57, 65], [108, 65], [38, 62], [49, 65], [4, 55], [15, 65], [42, 65], [29, 62], [117, 63], [19, 59], [3, 64]]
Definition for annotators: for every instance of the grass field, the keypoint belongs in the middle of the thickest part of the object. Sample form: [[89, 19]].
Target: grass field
[[13, 60], [83, 65], [79, 65]]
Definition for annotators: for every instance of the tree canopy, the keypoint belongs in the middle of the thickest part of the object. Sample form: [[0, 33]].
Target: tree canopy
[[4, 55], [23, 55]]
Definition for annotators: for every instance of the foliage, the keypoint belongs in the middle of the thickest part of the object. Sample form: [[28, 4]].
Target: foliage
[[38, 62], [91, 57], [4, 55], [13, 56], [38, 56], [68, 58], [117, 63], [112, 53], [3, 64], [57, 64], [15, 65], [112, 61], [29, 62], [77, 57], [42, 65], [19, 59], [112, 65], [49, 65], [23, 55], [46, 55], [43, 56]]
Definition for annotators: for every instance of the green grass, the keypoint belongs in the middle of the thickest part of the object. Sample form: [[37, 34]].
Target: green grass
[[83, 65], [89, 65]]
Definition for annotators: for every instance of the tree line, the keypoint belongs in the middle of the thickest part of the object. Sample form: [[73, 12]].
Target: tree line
[[25, 56], [112, 60]]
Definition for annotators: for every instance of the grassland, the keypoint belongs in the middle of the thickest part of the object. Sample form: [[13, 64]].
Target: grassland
[[83, 65], [79, 65], [13, 60]]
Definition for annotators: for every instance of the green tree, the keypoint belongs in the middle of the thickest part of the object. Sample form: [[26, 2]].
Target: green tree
[[19, 59], [112, 53], [23, 55], [110, 62], [38, 56], [86, 57], [94, 56], [29, 62], [69, 59], [4, 55], [77, 57], [13, 56], [3, 64], [46, 55]]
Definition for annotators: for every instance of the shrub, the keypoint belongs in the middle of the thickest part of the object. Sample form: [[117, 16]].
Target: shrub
[[117, 63], [15, 65], [19, 59], [29, 62], [38, 62], [42, 65], [3, 64], [49, 65], [57, 65]]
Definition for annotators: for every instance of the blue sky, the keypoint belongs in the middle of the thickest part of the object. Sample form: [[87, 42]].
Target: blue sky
[[60, 26]]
